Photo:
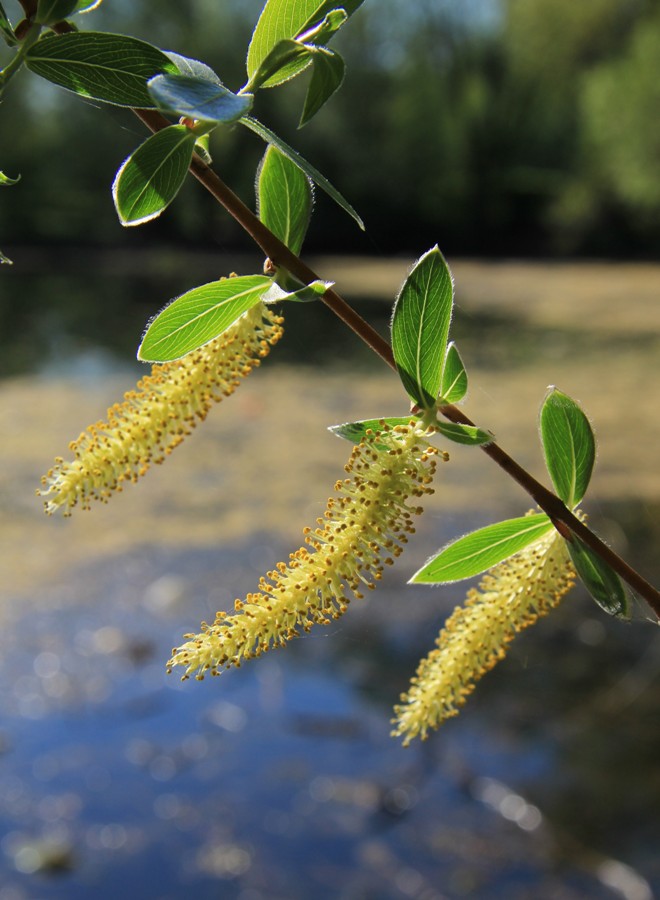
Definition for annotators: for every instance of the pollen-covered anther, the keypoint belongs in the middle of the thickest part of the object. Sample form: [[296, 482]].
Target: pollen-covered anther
[[154, 418], [341, 554]]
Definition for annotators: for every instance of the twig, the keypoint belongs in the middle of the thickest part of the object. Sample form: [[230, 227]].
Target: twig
[[280, 254]]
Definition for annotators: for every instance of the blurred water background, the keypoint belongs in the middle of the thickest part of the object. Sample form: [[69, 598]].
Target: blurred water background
[[491, 124], [280, 780]]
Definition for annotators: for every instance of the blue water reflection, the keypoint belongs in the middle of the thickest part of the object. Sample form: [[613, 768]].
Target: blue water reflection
[[278, 781]]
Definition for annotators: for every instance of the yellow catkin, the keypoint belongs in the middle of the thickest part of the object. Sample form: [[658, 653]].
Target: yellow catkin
[[154, 418], [510, 597], [365, 525]]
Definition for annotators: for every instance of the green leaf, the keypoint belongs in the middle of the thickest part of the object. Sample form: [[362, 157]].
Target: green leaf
[[6, 30], [4, 260], [199, 316], [568, 445], [193, 67], [284, 57], [84, 6], [285, 20], [108, 67], [454, 377], [152, 176], [284, 198], [51, 11], [327, 75], [271, 138], [6, 181], [319, 34], [198, 98], [306, 293], [280, 20], [464, 434], [355, 431], [599, 578], [481, 550], [420, 326]]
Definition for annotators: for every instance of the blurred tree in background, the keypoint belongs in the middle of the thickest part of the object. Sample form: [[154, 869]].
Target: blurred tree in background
[[543, 134]]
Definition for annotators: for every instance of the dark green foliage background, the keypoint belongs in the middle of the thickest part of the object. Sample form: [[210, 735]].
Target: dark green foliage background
[[518, 126]]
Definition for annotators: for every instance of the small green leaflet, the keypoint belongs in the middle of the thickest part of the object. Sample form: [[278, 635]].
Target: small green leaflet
[[327, 75], [51, 11], [285, 20], [600, 580], [198, 98], [271, 138], [355, 431], [6, 30], [6, 181], [108, 67], [284, 56], [279, 20], [568, 445], [464, 434], [320, 34], [420, 326], [305, 293], [199, 316], [481, 550], [152, 176], [193, 67], [454, 377], [284, 198]]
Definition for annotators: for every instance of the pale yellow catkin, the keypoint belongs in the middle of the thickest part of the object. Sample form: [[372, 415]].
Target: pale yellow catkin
[[365, 525], [510, 597], [154, 418]]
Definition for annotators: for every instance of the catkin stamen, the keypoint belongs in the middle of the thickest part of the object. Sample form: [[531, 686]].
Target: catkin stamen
[[342, 554], [154, 418]]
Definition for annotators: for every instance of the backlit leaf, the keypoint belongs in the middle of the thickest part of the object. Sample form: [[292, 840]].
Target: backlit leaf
[[320, 180], [306, 293], [198, 98], [199, 316], [152, 176], [420, 326], [355, 431], [6, 181], [284, 198], [454, 377], [569, 446], [6, 30], [599, 578], [327, 75], [108, 67], [286, 20], [193, 67], [286, 56], [481, 550], [319, 34], [464, 434]]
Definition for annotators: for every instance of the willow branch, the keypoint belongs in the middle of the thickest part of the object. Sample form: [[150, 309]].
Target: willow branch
[[563, 519]]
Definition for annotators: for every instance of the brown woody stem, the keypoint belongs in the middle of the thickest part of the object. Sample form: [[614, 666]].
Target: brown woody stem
[[280, 254]]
